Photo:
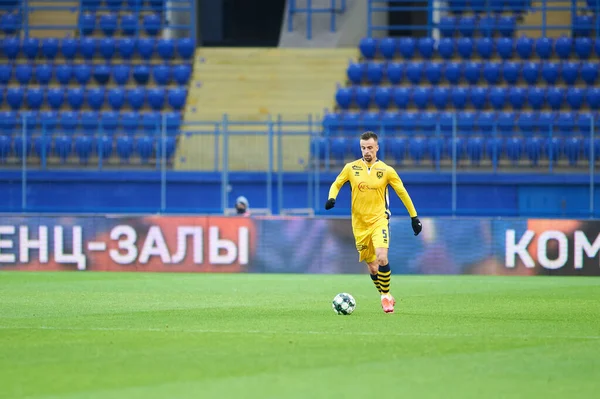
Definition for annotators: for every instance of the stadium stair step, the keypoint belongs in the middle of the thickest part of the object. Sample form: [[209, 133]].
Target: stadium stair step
[[49, 18], [249, 84], [553, 17]]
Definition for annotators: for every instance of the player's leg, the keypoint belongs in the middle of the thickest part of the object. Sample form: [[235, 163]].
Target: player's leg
[[373, 272], [366, 253], [384, 272]]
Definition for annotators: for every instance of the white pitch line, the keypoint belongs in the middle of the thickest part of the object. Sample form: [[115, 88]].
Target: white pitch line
[[299, 332]]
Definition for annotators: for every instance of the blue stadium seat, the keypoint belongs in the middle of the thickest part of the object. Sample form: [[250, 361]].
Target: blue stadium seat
[[584, 122], [504, 48], [565, 123], [583, 25], [141, 74], [173, 122], [497, 97], [484, 47], [446, 122], [507, 25], [531, 72], [408, 122], [533, 149], [487, 25], [514, 149], [87, 23], [114, 5], [181, 74], [414, 72], [145, 48], [75, 97], [374, 72], [527, 122], [106, 48], [447, 26], [457, 146], [486, 121], [151, 122], [120, 74], [90, 121], [433, 72], [11, 47], [524, 47], [446, 48], [472, 72], [371, 121], [23, 73], [108, 24], [126, 47], [55, 97], [130, 122], [185, 48], [368, 47], [475, 146], [506, 122], [491, 73], [87, 48], [570, 72], [69, 121], [478, 97], [344, 97], [48, 121], [35, 98], [583, 47], [459, 97], [5, 73], [29, 118], [31, 47], [19, 143], [83, 148], [395, 72], [363, 97], [5, 146], [465, 122], [593, 98], [337, 149], [63, 146], [396, 148], [575, 98], [589, 73], [165, 48], [536, 97], [116, 98], [10, 23], [104, 147], [82, 73], [64, 73], [14, 97], [428, 121], [95, 98], [152, 24], [129, 24], [101, 74], [42, 145], [545, 121], [124, 147], [554, 97], [467, 25], [421, 96], [387, 48], [169, 146], [407, 47], [573, 147], [543, 47], [440, 97], [382, 97], [43, 74], [161, 74], [563, 47], [464, 48], [453, 72], [108, 122], [416, 149], [426, 47], [136, 98], [553, 147], [156, 98], [435, 149], [517, 97], [8, 122], [401, 97], [550, 72], [50, 48], [355, 72], [176, 98]]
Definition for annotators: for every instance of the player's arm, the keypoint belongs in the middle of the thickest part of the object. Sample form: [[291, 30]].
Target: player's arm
[[396, 183], [336, 186]]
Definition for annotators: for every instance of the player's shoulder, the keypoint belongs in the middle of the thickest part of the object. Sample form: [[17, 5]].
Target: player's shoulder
[[383, 166], [357, 164]]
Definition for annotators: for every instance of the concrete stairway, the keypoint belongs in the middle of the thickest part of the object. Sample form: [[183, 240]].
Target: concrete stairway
[[249, 84], [48, 18], [535, 18]]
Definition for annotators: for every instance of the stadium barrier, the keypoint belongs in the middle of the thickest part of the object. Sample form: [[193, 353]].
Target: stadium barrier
[[295, 245]]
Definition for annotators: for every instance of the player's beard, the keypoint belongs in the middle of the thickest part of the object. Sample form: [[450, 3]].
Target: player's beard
[[368, 157]]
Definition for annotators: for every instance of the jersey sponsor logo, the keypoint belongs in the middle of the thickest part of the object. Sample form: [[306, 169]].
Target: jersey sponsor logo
[[361, 247], [363, 186], [356, 173], [356, 167], [379, 174]]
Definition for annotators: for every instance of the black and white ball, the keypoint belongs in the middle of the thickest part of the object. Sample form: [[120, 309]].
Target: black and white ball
[[344, 304]]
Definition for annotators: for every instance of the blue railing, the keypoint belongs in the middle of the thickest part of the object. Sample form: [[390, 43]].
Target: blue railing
[[166, 180], [178, 15], [440, 14], [336, 7]]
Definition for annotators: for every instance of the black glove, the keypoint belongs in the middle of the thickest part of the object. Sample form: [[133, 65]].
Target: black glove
[[416, 225], [330, 203]]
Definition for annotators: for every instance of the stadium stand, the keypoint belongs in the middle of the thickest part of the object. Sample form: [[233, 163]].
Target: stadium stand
[[92, 81], [489, 82]]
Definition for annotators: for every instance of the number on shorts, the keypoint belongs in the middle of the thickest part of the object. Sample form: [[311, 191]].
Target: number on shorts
[[384, 232]]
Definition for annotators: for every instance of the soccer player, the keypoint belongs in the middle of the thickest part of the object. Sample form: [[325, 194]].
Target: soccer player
[[369, 178]]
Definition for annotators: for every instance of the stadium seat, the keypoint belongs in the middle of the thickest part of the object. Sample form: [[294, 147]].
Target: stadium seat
[[475, 146], [550, 72], [130, 122], [433, 72], [588, 148], [401, 97], [50, 48], [589, 73], [173, 122], [536, 97], [533, 149], [497, 97], [55, 98], [83, 148], [484, 47], [582, 25], [363, 97], [407, 47], [447, 26], [35, 98], [440, 97], [11, 47], [129, 24], [104, 147], [124, 148], [506, 122], [428, 122], [573, 146], [514, 149], [563, 47], [126, 47], [459, 97], [575, 98], [584, 122], [565, 123], [504, 48], [446, 48], [89, 121], [69, 121], [435, 149], [416, 149], [371, 121], [472, 72], [23, 73], [570, 72], [31, 48], [141, 74], [583, 47], [95, 98], [116, 98], [135, 98], [524, 47], [527, 122], [414, 72], [491, 73], [367, 47], [554, 97], [511, 72], [152, 24], [421, 96], [453, 73], [5, 147], [165, 48], [43, 74], [63, 146], [75, 97], [382, 97], [517, 97], [181, 74], [344, 97], [374, 72], [145, 48], [396, 148], [395, 73], [387, 48], [545, 121], [467, 25], [120, 74], [48, 121], [14, 97], [8, 122], [69, 48], [169, 147], [543, 47], [106, 48], [108, 24], [64, 73], [101, 74], [113, 5], [464, 48], [426, 47], [531, 72], [87, 23], [186, 48], [82, 74], [10, 23], [478, 97], [151, 122], [355, 72], [408, 122], [593, 98], [486, 121], [487, 25], [108, 122], [5, 73], [19, 144]]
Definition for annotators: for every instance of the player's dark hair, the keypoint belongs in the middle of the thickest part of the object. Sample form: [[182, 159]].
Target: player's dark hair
[[368, 135]]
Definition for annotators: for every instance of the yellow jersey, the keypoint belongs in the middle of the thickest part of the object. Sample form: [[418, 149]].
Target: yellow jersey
[[370, 196]]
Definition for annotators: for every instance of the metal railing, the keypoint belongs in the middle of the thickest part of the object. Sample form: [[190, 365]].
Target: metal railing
[[336, 7]]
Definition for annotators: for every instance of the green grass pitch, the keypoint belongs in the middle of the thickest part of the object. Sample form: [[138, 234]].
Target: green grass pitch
[[136, 335]]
